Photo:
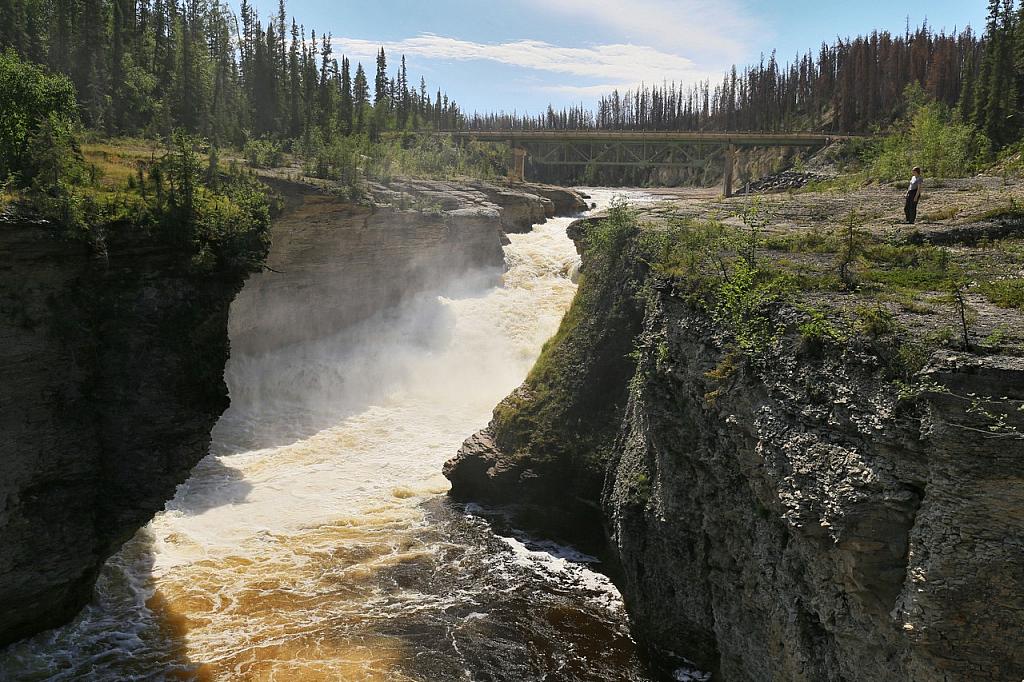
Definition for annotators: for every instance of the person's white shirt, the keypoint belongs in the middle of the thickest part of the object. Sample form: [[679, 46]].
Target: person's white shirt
[[915, 184]]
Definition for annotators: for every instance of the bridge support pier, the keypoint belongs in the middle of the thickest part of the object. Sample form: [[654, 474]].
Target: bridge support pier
[[518, 164], [730, 164]]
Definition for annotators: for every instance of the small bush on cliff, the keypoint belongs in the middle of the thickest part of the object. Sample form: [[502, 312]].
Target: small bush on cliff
[[874, 321], [756, 217], [745, 304], [716, 265], [819, 329], [224, 228], [607, 240]]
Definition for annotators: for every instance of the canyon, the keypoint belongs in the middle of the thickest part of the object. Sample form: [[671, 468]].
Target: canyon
[[113, 362], [798, 516]]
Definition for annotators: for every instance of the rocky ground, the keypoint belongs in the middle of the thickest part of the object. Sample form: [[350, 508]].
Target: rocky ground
[[781, 182], [978, 219]]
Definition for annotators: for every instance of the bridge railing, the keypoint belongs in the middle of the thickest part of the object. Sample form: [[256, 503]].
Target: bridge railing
[[726, 137]]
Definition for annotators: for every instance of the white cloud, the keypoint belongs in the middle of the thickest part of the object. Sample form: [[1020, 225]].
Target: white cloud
[[650, 39], [613, 65], [715, 31], [588, 91]]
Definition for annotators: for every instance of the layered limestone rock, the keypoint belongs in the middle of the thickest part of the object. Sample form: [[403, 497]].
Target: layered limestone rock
[[806, 522], [111, 366], [801, 518], [110, 380], [334, 264]]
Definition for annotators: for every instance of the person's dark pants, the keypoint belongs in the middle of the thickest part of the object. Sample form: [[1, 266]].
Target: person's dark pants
[[910, 209]]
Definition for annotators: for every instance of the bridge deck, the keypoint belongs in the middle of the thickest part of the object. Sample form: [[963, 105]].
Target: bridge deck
[[737, 139]]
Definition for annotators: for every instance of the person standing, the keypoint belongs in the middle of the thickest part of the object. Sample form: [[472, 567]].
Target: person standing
[[913, 196]]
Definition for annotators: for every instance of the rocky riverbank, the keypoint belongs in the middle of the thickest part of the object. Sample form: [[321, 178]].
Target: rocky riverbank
[[791, 491]]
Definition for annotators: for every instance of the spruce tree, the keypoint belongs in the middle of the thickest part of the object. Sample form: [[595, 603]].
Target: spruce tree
[[326, 90], [360, 97], [380, 90], [991, 75], [281, 38], [62, 32], [117, 59], [295, 84], [310, 83], [1019, 67], [401, 95], [998, 120], [346, 104], [12, 26], [968, 85], [90, 67]]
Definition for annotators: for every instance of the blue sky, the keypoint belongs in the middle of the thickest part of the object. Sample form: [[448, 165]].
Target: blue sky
[[523, 54]]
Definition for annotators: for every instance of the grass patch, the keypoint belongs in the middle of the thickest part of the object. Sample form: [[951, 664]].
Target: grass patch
[[913, 268], [1011, 210], [115, 164], [813, 240], [1005, 293], [945, 213]]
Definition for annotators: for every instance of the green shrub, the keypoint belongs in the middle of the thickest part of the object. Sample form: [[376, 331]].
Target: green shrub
[[263, 153], [874, 321], [915, 352], [230, 229], [610, 236], [929, 136], [32, 100], [744, 303], [818, 328]]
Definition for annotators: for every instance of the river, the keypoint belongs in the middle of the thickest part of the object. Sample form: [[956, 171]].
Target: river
[[315, 542]]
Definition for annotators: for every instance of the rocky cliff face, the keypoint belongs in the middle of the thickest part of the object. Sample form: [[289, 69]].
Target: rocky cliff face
[[808, 523], [800, 519], [110, 381], [111, 369], [334, 264]]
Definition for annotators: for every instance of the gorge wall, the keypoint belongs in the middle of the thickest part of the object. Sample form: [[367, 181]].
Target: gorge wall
[[334, 264], [803, 519], [751, 164], [110, 380], [112, 364]]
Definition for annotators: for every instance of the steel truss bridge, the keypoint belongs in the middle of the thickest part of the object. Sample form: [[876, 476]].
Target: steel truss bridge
[[705, 153]]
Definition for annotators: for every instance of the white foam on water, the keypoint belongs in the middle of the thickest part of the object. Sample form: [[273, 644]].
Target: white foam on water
[[689, 673], [566, 567]]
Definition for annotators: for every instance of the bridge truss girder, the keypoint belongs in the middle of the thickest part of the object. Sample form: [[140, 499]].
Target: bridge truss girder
[[699, 156], [704, 158]]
